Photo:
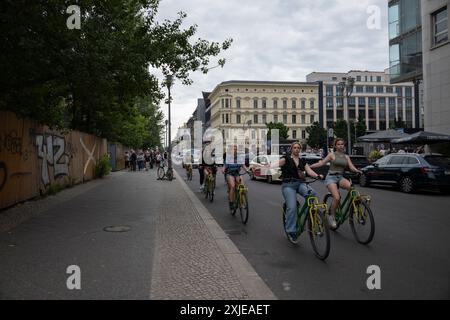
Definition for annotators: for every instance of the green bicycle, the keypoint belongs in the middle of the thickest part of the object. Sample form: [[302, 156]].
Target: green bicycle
[[311, 217], [210, 186], [241, 200], [356, 208]]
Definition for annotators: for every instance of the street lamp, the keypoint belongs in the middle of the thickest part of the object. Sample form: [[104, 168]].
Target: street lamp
[[165, 135], [169, 83], [346, 90]]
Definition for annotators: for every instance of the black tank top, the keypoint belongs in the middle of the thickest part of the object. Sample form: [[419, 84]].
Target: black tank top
[[290, 169]]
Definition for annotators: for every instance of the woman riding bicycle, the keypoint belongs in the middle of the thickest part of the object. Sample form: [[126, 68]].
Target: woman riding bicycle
[[294, 170], [231, 169], [339, 161]]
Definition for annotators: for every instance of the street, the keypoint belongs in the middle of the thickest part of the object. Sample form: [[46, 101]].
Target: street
[[411, 246]]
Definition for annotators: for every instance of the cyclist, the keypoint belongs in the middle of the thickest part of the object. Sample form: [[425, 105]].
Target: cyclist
[[206, 167], [339, 161], [231, 170], [294, 170]]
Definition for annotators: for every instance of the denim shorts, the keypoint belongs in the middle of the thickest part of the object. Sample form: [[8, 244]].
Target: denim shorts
[[334, 178]]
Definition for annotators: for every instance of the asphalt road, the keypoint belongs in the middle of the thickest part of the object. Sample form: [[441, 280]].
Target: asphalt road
[[411, 246]]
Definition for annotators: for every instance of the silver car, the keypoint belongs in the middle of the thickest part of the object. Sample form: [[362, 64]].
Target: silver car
[[259, 170]]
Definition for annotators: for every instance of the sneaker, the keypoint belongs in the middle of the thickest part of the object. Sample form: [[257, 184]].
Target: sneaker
[[332, 222], [201, 188], [293, 237]]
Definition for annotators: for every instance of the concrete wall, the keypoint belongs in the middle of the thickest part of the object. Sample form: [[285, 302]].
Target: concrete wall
[[436, 72], [33, 157]]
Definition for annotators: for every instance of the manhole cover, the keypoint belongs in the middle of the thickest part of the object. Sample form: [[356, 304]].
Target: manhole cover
[[117, 229]]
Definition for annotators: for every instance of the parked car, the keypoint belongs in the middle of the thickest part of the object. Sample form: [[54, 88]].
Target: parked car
[[195, 157], [359, 162], [259, 171], [408, 171]]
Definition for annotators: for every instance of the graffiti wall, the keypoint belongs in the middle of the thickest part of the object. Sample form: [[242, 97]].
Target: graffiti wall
[[33, 157]]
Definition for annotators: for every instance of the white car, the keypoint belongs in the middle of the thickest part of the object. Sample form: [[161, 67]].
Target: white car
[[259, 170], [195, 157]]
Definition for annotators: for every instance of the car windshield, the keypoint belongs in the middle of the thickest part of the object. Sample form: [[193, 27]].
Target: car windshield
[[439, 161], [274, 158]]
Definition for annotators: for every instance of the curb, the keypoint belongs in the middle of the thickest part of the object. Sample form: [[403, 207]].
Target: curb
[[249, 279]]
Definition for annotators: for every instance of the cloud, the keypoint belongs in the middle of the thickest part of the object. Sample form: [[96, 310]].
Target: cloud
[[279, 40]]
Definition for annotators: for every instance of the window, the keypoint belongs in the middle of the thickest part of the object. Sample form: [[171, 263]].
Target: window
[[227, 103], [311, 104], [372, 101], [223, 118], [255, 103], [329, 103], [369, 89], [411, 160], [303, 119], [294, 118], [303, 134], [275, 104], [340, 102], [294, 134], [394, 60], [380, 89], [285, 118], [358, 78], [275, 118], [284, 104], [294, 104], [359, 89], [304, 103], [227, 118], [264, 118], [238, 118], [440, 26], [223, 103], [378, 78], [334, 78], [339, 91], [396, 160], [329, 90], [311, 119], [255, 118], [408, 92], [389, 89], [399, 91], [264, 104], [238, 103]]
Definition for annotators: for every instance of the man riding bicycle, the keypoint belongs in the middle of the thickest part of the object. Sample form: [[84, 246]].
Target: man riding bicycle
[[232, 168], [207, 167]]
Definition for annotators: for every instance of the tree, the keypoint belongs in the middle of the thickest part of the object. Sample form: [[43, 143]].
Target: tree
[[93, 79], [360, 128], [283, 130], [317, 136], [340, 129]]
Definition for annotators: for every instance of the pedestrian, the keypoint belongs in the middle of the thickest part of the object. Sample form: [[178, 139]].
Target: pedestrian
[[127, 160], [140, 160], [133, 160]]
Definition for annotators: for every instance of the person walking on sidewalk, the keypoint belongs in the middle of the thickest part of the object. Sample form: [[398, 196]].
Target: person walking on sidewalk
[[339, 161]]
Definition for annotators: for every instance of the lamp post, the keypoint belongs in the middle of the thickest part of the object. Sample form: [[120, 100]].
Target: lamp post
[[347, 89], [169, 83], [165, 135]]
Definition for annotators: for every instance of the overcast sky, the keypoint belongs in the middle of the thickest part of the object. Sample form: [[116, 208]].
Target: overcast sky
[[279, 40]]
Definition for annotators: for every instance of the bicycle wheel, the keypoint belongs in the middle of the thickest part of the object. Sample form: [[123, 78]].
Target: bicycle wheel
[[161, 173], [328, 200], [212, 187], [243, 207], [319, 233], [362, 223]]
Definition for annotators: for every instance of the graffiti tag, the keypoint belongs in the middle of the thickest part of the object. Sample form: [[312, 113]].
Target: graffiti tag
[[11, 142], [51, 150]]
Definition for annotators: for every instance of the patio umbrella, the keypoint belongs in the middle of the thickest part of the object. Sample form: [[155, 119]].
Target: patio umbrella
[[423, 137], [383, 136]]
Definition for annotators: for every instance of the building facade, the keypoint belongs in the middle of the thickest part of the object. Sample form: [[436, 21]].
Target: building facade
[[250, 105], [436, 65], [374, 100]]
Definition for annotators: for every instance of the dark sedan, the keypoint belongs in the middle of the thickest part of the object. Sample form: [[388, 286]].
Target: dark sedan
[[409, 171]]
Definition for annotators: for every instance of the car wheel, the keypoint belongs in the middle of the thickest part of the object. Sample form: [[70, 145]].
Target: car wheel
[[269, 178], [363, 181], [407, 185]]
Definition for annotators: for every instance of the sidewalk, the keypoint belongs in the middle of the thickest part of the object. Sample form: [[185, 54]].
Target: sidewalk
[[174, 249]]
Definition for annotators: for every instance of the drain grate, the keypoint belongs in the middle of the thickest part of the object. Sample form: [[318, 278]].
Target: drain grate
[[117, 229]]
